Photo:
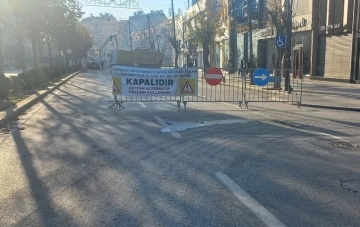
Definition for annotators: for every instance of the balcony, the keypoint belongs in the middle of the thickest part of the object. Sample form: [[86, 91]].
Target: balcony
[[241, 15]]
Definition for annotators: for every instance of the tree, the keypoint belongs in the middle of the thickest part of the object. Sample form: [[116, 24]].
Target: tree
[[82, 41], [14, 21], [39, 21], [204, 27], [174, 41], [2, 25], [62, 19], [174, 37], [277, 20]]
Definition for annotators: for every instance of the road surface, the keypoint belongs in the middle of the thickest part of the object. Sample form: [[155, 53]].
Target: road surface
[[72, 161]]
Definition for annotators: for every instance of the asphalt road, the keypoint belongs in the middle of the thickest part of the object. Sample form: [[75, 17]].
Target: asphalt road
[[72, 161]]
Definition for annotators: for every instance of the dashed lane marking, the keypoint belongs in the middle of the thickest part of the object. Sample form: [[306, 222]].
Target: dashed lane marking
[[263, 214]]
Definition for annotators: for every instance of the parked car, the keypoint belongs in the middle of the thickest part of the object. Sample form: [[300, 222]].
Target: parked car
[[94, 65]]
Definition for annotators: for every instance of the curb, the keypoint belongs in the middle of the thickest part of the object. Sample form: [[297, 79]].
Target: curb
[[331, 107], [30, 101]]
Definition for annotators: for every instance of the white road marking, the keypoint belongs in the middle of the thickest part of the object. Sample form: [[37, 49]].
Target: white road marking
[[289, 127], [303, 130], [264, 115], [163, 124], [142, 105], [261, 114], [264, 215], [229, 104]]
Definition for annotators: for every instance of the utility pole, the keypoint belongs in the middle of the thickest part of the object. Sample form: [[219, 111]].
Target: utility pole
[[173, 25], [251, 65], [288, 8], [150, 41], [131, 46], [2, 68], [173, 18], [354, 76]]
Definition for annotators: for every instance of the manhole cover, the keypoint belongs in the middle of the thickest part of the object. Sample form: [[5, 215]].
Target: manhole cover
[[352, 185], [346, 145], [4, 129]]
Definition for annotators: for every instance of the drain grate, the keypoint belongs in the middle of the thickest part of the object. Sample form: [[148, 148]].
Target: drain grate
[[352, 185], [346, 145]]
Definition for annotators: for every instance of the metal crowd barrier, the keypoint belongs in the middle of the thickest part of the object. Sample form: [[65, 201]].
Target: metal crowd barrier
[[236, 86]]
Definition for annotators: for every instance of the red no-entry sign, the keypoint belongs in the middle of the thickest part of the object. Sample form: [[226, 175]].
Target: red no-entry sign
[[213, 76]]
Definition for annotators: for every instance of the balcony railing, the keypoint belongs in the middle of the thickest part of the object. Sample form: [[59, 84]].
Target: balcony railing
[[241, 15]]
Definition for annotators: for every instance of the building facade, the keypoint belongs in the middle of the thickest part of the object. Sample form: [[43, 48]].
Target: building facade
[[219, 47], [335, 38], [254, 31], [101, 28]]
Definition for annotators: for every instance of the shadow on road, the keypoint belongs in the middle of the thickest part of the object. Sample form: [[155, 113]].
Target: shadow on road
[[115, 172]]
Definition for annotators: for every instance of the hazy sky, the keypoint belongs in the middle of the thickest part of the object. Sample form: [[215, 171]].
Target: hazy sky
[[145, 5]]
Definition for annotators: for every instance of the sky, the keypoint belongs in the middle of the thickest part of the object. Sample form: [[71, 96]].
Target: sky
[[145, 5]]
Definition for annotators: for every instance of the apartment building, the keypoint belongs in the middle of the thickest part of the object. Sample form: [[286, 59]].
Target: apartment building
[[101, 28]]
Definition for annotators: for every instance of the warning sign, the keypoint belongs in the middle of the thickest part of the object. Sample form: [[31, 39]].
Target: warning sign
[[133, 81], [116, 85], [187, 86]]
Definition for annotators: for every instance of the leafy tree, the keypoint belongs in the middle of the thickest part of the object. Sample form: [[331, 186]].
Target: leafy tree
[[81, 41], [1, 41], [41, 20], [15, 24], [204, 27]]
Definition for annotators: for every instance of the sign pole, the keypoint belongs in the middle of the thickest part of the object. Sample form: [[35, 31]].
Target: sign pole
[[173, 25], [288, 7]]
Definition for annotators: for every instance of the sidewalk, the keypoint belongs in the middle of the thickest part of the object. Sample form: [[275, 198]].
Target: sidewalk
[[332, 95], [32, 100]]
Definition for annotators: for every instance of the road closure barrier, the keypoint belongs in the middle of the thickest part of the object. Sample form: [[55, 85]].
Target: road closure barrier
[[183, 85]]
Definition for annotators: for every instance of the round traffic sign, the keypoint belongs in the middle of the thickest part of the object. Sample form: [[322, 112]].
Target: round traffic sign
[[261, 77], [213, 76]]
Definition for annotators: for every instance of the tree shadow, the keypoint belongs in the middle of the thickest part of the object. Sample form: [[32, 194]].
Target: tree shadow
[[135, 177], [46, 210]]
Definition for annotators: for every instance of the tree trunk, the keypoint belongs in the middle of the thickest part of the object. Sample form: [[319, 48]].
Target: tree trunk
[[206, 53], [50, 54], [176, 58], [2, 69], [41, 62], [213, 59], [33, 44], [279, 67], [22, 59]]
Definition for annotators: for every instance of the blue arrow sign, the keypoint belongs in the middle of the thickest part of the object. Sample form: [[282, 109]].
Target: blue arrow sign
[[280, 40], [261, 77]]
